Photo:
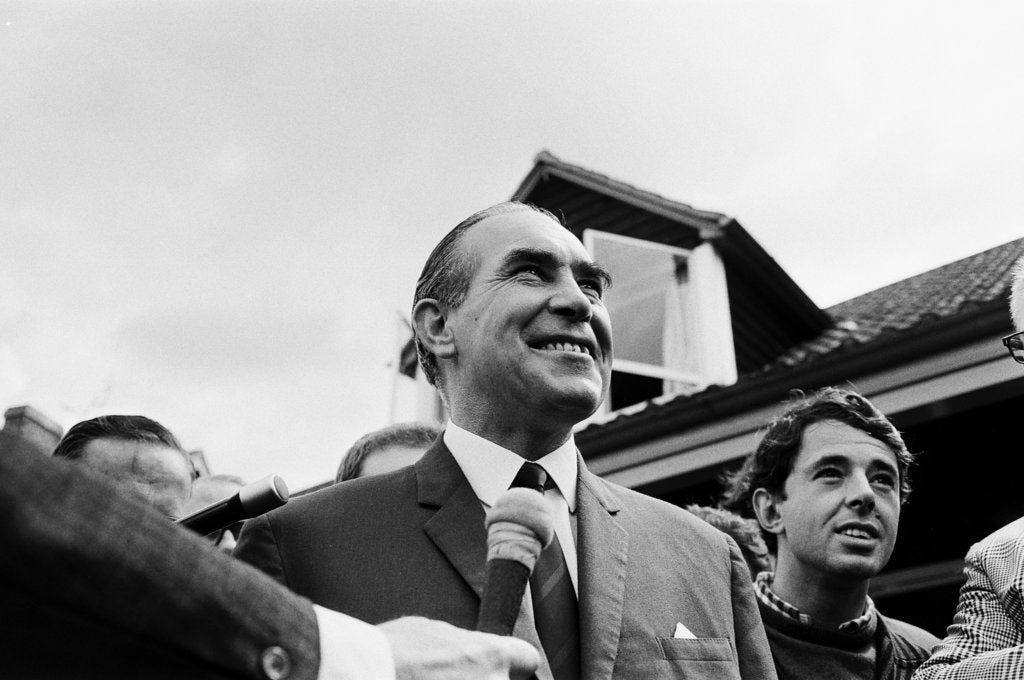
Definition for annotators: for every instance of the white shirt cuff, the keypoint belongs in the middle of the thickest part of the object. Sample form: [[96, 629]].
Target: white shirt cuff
[[351, 649]]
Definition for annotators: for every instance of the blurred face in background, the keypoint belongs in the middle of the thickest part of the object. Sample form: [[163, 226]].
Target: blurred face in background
[[156, 473], [390, 458]]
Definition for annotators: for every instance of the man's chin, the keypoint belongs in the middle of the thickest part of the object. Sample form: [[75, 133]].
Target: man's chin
[[856, 569], [579, 403]]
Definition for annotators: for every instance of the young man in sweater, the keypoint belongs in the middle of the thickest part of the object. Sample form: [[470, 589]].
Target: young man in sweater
[[826, 484]]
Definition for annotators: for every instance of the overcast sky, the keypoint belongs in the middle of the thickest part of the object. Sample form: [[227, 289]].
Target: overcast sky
[[214, 213]]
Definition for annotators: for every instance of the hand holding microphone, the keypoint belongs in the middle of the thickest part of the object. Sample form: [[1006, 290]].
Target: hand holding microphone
[[519, 527]]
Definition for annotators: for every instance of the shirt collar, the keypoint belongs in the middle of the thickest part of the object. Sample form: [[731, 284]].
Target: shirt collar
[[490, 468], [763, 588]]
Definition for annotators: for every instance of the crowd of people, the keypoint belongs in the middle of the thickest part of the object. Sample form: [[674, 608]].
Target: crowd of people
[[381, 574]]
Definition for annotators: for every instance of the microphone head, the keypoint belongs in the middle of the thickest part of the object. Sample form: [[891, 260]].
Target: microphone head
[[263, 495], [519, 525]]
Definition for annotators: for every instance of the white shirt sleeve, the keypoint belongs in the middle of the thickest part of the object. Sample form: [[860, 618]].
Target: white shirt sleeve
[[351, 649]]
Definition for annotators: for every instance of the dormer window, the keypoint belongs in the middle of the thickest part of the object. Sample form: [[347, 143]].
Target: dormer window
[[670, 318]]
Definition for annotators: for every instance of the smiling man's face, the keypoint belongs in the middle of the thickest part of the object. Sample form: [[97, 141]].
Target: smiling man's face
[[532, 337], [841, 508]]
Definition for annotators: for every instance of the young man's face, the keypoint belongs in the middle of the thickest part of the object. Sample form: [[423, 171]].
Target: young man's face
[[841, 510]]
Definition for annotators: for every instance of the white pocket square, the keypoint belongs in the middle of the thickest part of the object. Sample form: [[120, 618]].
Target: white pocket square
[[683, 632]]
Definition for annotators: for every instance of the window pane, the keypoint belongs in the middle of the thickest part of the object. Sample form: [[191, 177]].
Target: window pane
[[649, 288]]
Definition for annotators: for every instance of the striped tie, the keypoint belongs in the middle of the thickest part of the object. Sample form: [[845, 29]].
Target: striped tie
[[554, 600]]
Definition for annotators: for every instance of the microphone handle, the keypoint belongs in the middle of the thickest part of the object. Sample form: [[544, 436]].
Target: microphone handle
[[216, 516], [503, 596]]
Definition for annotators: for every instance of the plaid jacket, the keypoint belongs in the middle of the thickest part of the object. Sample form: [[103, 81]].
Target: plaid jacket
[[986, 639]]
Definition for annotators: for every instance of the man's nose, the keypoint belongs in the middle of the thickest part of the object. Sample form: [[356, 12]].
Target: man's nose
[[569, 300], [860, 495]]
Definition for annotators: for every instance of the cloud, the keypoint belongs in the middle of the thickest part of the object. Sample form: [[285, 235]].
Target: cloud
[[13, 377], [227, 341]]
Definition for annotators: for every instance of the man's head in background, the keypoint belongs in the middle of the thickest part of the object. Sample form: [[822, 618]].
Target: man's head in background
[[137, 453], [745, 531], [387, 449], [1015, 341]]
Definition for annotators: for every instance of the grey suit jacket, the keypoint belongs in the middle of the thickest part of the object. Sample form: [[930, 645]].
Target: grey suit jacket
[[97, 585], [413, 542]]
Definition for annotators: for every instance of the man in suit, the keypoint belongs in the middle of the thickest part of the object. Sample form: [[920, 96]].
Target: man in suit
[[95, 583], [511, 327], [986, 638]]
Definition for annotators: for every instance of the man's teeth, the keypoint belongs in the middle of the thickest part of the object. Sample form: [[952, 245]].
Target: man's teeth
[[856, 533], [566, 347]]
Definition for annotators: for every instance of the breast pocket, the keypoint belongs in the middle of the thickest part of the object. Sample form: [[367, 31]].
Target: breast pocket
[[711, 658]]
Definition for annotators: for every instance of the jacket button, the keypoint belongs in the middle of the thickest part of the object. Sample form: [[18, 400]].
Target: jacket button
[[276, 663]]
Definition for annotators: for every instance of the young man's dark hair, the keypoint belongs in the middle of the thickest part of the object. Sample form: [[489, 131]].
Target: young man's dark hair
[[771, 463], [826, 484]]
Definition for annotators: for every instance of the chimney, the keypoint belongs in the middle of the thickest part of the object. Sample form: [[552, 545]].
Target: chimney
[[28, 429]]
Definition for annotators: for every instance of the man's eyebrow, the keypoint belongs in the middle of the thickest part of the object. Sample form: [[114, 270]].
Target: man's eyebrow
[[844, 461], [886, 465], [826, 461], [593, 270], [548, 259], [530, 255]]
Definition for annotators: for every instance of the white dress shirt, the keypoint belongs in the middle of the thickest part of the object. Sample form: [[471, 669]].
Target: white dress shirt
[[351, 649], [490, 470]]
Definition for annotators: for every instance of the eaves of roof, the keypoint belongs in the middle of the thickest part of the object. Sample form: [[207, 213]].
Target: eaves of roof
[[547, 164], [914, 318]]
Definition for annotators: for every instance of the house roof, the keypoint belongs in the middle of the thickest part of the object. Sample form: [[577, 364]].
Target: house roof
[[920, 301], [547, 165], [935, 310]]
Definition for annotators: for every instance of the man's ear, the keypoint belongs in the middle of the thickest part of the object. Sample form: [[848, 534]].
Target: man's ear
[[766, 507], [432, 330]]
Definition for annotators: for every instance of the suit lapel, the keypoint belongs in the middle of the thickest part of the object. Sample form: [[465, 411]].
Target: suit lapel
[[603, 551], [457, 529]]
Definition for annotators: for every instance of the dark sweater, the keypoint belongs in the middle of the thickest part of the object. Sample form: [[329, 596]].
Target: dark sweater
[[886, 649]]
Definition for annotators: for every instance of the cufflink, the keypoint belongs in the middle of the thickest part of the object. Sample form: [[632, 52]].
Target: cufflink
[[276, 663]]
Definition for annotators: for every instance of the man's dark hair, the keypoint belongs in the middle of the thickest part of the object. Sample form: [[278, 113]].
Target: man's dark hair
[[447, 272], [399, 434], [131, 428], [770, 464]]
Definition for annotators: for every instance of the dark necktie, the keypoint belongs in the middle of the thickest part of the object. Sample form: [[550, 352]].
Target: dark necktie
[[554, 600]]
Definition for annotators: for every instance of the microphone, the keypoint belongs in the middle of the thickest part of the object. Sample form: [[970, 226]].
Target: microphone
[[519, 526], [251, 500]]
